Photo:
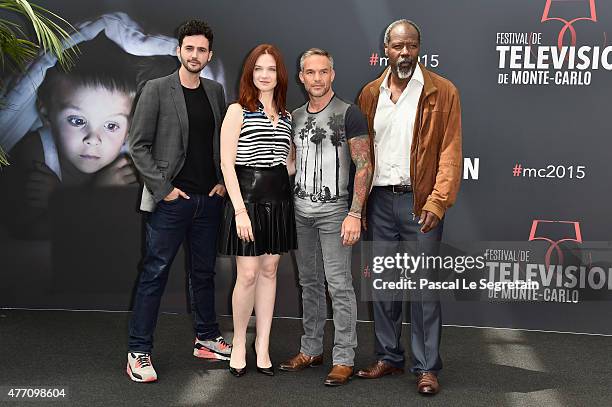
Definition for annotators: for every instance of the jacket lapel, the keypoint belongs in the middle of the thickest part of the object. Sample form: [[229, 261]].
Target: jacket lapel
[[429, 91], [215, 105], [428, 87], [375, 86], [181, 108], [212, 99]]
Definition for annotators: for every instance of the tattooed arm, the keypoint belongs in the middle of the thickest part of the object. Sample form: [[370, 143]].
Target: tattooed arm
[[360, 153]]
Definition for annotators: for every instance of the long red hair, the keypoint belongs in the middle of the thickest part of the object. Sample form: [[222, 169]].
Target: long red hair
[[249, 93]]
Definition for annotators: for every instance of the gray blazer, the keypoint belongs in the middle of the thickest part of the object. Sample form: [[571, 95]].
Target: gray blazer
[[160, 131]]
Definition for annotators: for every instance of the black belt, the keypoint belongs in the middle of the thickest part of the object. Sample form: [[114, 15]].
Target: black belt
[[397, 189]]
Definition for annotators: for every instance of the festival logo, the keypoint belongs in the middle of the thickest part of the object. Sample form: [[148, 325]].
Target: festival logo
[[568, 56], [539, 232]]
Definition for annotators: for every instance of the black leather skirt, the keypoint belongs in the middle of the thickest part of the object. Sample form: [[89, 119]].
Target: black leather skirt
[[268, 199]]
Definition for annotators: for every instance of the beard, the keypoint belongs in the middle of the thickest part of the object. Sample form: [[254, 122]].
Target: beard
[[404, 68], [190, 69]]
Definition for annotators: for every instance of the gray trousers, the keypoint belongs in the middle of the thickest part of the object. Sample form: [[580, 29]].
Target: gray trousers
[[390, 220], [322, 257]]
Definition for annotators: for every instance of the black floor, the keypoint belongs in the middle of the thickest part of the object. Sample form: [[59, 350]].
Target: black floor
[[85, 352]]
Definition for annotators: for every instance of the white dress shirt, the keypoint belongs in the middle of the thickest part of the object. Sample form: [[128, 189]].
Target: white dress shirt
[[393, 127]]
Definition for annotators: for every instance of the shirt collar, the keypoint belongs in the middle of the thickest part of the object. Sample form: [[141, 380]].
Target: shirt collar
[[260, 108], [417, 75]]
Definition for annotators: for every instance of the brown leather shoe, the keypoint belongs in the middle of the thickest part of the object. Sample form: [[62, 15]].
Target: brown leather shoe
[[339, 375], [301, 361], [427, 383], [379, 369]]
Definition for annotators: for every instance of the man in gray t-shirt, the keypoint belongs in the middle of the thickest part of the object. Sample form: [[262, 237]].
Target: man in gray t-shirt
[[328, 134], [323, 156]]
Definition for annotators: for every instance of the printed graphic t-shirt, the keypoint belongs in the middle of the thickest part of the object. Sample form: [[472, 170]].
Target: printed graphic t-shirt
[[323, 158]]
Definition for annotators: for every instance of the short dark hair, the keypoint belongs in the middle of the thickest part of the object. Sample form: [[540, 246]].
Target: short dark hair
[[195, 27]]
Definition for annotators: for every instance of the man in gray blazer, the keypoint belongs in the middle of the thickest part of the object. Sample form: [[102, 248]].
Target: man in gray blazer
[[174, 142]]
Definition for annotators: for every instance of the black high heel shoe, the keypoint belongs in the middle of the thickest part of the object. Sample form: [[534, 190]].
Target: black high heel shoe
[[238, 372], [268, 371]]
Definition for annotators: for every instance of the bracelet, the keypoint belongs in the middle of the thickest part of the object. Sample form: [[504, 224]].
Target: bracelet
[[239, 211], [354, 215]]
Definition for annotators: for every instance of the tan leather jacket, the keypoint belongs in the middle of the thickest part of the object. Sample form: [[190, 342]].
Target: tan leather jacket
[[435, 153]]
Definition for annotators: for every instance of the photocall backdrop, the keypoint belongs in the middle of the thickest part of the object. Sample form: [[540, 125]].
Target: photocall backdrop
[[533, 77]]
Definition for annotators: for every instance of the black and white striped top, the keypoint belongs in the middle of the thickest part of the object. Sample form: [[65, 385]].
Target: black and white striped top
[[259, 143]]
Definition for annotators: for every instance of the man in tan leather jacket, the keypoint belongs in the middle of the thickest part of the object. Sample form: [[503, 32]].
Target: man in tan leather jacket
[[414, 121]]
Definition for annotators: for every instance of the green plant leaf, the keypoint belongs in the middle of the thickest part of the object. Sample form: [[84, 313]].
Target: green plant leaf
[[3, 158], [17, 50], [51, 30]]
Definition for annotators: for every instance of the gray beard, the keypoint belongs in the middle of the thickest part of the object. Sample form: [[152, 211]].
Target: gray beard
[[404, 74]]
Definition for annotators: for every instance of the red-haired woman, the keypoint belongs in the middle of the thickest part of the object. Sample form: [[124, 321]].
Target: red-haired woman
[[259, 220]]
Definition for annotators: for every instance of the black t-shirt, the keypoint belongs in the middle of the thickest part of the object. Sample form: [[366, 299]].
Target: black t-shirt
[[198, 175]]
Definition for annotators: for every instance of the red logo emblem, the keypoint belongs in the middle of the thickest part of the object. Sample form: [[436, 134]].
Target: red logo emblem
[[573, 235], [568, 24]]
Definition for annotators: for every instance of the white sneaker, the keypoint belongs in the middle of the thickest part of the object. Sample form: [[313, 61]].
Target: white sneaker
[[212, 349], [140, 368]]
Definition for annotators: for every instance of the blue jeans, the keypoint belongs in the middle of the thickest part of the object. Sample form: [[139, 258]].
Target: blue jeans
[[195, 221], [390, 219]]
